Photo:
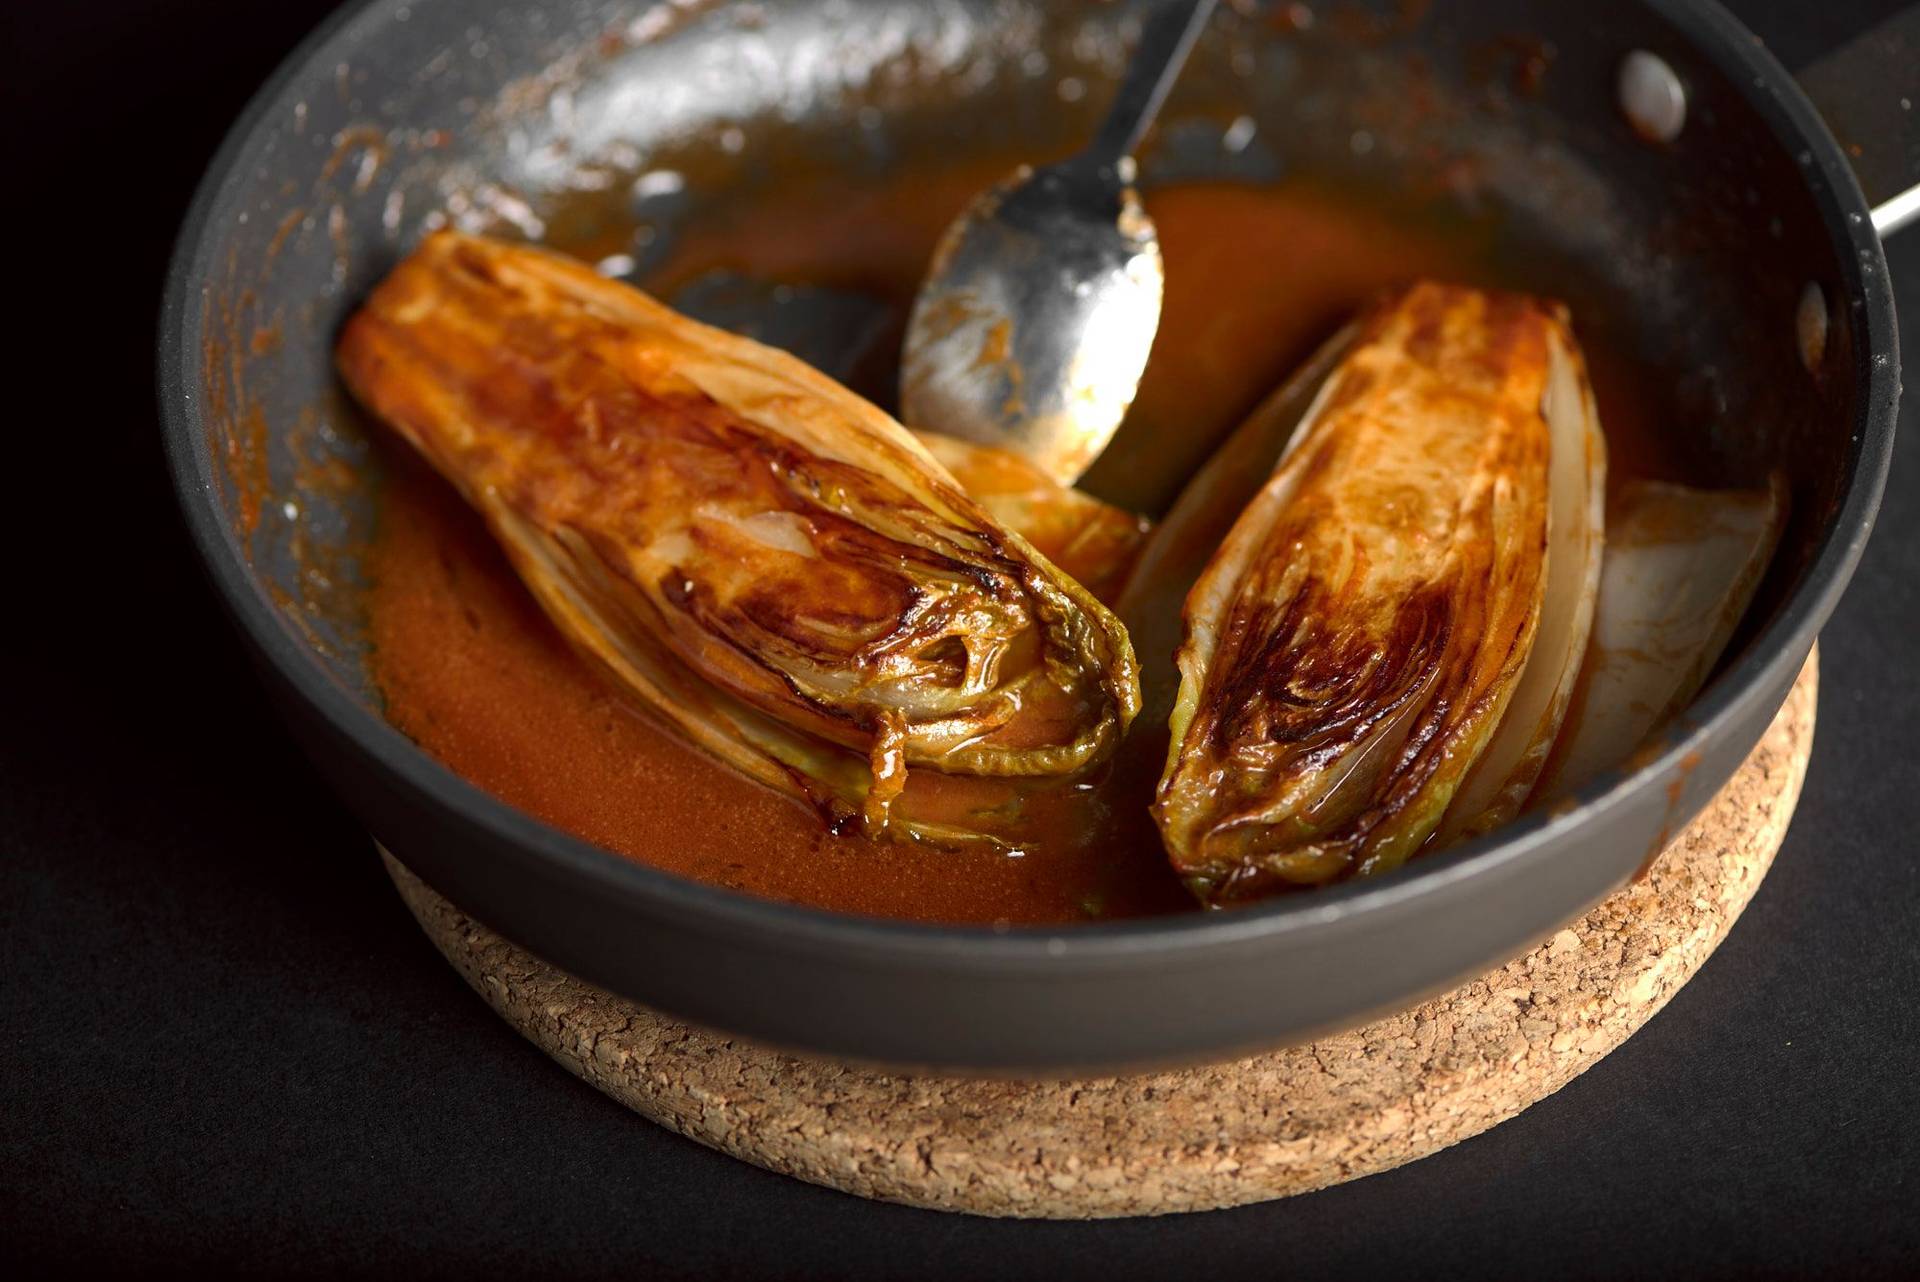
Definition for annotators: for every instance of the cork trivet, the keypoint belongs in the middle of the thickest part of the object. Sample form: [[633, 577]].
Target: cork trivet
[[1193, 1139]]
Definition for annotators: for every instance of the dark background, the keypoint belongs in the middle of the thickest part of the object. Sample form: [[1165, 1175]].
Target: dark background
[[225, 1046]]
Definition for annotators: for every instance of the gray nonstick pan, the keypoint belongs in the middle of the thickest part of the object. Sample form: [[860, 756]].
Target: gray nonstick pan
[[1650, 151]]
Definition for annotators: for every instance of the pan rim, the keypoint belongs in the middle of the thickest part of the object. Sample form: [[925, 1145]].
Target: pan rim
[[1710, 32]]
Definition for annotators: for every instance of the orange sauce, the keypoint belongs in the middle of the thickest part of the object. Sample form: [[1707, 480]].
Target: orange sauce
[[471, 670]]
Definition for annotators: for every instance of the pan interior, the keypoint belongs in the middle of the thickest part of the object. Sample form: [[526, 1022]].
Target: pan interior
[[623, 128]]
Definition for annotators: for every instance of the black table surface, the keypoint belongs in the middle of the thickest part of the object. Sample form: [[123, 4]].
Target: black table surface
[[224, 1045]]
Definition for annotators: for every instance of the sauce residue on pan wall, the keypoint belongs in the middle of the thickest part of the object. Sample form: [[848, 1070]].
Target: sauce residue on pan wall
[[471, 670]]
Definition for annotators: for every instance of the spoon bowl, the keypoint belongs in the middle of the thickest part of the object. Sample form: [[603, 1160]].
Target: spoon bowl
[[1034, 325]]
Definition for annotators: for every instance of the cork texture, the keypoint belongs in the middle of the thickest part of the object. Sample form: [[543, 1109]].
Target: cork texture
[[1193, 1139]]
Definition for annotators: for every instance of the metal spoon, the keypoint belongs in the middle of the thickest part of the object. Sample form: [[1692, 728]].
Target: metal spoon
[[1034, 323]]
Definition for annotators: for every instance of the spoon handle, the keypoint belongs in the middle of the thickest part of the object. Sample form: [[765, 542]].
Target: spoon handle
[[1165, 37]]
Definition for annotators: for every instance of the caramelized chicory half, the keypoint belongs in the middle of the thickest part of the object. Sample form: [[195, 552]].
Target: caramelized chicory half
[[763, 558], [1350, 650]]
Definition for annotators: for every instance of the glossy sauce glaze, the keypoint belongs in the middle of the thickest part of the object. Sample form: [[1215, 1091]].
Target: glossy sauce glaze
[[470, 668]]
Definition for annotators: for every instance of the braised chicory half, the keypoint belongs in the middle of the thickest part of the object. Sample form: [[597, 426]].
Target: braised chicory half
[[1428, 615], [761, 557], [1387, 638]]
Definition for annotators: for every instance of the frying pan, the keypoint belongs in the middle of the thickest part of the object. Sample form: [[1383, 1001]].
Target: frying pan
[[1737, 259]]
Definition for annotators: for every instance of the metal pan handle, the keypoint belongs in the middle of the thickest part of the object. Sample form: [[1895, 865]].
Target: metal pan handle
[[1868, 90]]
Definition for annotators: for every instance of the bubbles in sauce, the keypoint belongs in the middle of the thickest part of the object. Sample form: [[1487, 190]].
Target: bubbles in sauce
[[471, 670]]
